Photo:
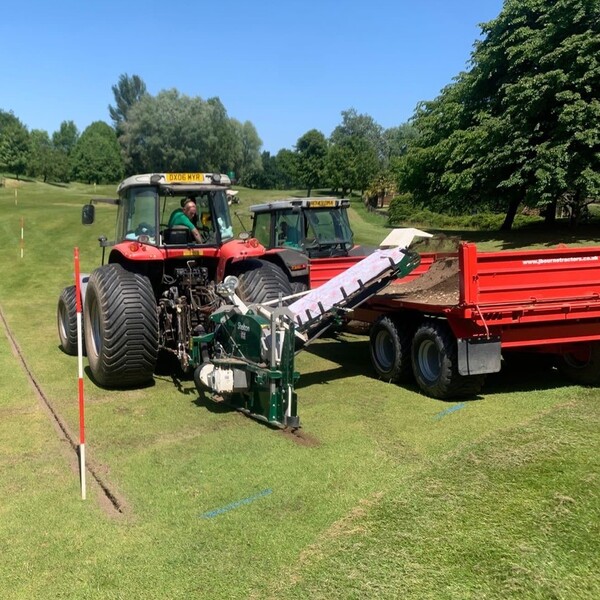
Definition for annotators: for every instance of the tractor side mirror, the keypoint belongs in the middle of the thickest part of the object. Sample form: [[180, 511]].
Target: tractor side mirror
[[88, 212]]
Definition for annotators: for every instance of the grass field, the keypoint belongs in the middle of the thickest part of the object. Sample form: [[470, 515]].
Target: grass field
[[392, 495]]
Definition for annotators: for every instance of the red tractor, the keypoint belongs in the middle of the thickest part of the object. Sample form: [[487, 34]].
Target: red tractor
[[158, 288]]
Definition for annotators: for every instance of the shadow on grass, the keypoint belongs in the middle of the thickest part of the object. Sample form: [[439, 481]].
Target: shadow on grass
[[525, 372], [57, 184], [119, 388], [521, 372], [203, 400]]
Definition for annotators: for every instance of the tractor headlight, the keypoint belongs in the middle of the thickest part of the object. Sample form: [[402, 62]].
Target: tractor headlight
[[230, 283]]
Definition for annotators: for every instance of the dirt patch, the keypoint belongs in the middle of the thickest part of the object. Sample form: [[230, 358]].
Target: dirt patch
[[302, 438], [439, 285]]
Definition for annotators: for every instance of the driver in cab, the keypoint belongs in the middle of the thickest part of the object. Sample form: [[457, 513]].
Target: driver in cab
[[186, 216]]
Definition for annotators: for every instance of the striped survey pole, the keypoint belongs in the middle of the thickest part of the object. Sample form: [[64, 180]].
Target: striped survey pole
[[80, 373], [22, 235]]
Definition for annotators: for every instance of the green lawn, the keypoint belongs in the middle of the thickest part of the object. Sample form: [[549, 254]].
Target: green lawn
[[392, 496]]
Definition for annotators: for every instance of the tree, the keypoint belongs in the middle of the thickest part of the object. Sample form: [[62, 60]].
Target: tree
[[127, 92], [172, 131], [287, 168], [248, 161], [522, 125], [66, 137], [340, 168], [359, 151], [166, 132], [397, 140], [96, 157], [14, 144], [41, 155], [311, 151], [64, 141]]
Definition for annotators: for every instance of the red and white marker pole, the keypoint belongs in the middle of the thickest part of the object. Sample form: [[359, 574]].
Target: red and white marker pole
[[22, 235], [80, 372]]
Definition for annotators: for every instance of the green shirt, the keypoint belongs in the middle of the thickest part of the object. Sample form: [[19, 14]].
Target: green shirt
[[178, 217]]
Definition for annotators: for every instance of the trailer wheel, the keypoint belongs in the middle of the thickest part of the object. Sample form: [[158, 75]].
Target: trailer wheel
[[435, 364], [261, 281], [582, 367], [121, 333], [66, 315], [390, 350]]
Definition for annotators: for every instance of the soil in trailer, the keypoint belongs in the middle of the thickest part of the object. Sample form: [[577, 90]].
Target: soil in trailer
[[439, 285]]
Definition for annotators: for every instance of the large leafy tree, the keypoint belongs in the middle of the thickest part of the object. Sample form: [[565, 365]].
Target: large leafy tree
[[127, 92], [64, 141], [341, 168], [172, 131], [165, 132], [96, 157], [276, 172], [357, 151], [522, 125], [311, 150], [287, 168], [41, 156], [66, 137], [396, 140], [248, 161], [14, 144], [223, 142]]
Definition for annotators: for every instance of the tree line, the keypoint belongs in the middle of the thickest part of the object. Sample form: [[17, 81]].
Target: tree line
[[520, 127]]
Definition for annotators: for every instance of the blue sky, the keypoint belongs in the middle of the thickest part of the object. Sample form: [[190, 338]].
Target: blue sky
[[286, 66]]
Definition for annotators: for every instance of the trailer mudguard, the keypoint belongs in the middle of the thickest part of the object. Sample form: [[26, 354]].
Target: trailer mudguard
[[477, 356]]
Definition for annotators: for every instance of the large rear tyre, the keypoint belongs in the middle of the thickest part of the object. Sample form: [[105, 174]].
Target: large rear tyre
[[261, 281], [390, 350], [435, 364], [583, 366], [66, 315], [121, 333], [298, 287]]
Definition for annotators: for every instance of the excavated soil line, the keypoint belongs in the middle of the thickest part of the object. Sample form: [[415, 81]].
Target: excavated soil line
[[111, 502]]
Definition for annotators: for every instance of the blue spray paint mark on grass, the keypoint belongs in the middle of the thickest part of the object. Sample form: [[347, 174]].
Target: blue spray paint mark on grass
[[219, 511], [448, 411]]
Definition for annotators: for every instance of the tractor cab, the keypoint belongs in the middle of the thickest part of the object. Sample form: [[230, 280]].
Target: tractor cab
[[318, 227], [147, 205]]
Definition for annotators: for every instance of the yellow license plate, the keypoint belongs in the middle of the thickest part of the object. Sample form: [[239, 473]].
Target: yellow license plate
[[321, 203], [185, 177], [193, 253]]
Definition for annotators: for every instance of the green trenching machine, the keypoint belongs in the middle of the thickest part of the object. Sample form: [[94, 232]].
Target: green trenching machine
[[248, 359]]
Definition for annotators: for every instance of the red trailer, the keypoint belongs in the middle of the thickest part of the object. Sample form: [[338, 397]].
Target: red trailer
[[452, 319]]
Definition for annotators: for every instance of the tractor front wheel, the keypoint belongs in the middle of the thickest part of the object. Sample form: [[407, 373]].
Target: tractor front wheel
[[261, 281], [121, 333], [435, 364]]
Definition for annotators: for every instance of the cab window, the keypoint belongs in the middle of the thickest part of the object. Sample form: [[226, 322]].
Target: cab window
[[137, 216]]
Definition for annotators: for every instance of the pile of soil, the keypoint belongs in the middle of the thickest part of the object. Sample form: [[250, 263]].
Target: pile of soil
[[439, 285]]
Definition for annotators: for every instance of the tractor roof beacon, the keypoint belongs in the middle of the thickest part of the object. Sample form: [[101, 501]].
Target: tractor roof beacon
[[158, 287]]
